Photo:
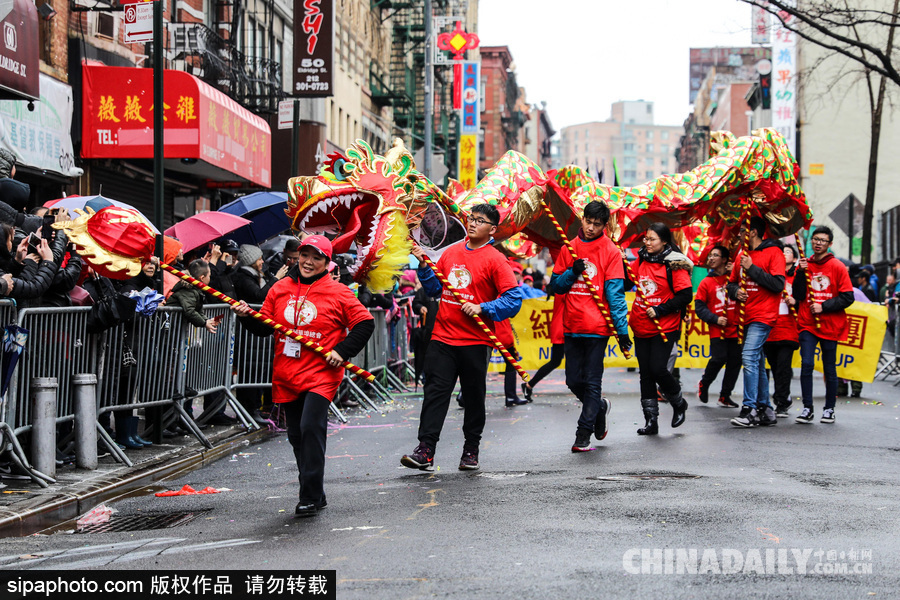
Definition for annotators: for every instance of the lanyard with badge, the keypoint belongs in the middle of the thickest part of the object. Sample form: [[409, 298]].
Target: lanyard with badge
[[292, 347]]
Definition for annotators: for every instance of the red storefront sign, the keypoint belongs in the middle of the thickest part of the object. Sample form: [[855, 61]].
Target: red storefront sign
[[200, 122]]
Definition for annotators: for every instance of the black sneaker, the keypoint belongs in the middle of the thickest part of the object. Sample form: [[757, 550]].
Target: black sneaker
[[781, 411], [469, 459], [805, 417], [528, 392], [601, 425], [420, 458], [582, 441], [767, 417], [703, 392], [827, 416], [726, 402], [747, 418]]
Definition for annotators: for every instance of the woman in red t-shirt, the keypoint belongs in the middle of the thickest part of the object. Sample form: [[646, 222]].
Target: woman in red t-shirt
[[313, 304], [665, 289]]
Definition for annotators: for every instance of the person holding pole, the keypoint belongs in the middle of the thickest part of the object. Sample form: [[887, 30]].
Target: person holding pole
[[823, 292], [665, 290], [762, 269], [309, 301], [594, 258], [460, 348]]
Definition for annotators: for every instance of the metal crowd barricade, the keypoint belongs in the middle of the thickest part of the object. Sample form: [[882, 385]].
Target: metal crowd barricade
[[253, 356], [58, 346], [209, 359]]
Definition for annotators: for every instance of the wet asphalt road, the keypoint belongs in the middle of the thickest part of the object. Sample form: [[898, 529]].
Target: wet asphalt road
[[778, 512]]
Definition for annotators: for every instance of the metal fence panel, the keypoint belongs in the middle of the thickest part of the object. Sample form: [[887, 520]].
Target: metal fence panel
[[207, 364], [253, 356]]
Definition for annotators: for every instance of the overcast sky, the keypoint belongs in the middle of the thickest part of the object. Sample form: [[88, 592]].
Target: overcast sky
[[580, 56]]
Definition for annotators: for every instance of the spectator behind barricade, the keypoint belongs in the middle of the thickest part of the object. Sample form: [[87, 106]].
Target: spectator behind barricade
[[145, 279], [190, 298], [251, 282], [12, 192], [370, 299], [887, 290], [36, 269], [288, 256], [222, 265], [65, 280], [863, 282], [407, 284]]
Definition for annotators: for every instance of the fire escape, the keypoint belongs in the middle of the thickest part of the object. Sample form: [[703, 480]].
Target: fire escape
[[214, 55]]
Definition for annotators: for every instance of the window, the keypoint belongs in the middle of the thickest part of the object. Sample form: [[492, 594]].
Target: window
[[575, 148], [664, 148], [649, 148], [587, 134], [629, 161], [629, 147], [649, 135], [629, 175], [575, 135], [649, 175], [664, 134], [106, 25]]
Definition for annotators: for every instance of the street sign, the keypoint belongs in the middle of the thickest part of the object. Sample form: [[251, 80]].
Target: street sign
[[139, 22], [841, 215], [286, 114]]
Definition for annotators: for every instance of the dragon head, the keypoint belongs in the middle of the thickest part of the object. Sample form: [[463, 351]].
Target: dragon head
[[365, 198]]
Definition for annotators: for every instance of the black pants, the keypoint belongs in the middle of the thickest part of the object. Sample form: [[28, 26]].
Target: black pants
[[557, 354], [307, 430], [584, 375], [653, 356], [445, 364], [510, 376], [780, 356], [724, 352]]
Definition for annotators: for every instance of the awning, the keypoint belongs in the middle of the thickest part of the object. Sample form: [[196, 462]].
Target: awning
[[210, 134], [19, 56]]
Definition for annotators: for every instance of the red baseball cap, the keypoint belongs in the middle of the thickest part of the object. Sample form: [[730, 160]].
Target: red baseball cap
[[528, 278], [320, 243]]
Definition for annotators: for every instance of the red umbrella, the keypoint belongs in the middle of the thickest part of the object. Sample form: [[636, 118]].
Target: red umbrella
[[205, 227]]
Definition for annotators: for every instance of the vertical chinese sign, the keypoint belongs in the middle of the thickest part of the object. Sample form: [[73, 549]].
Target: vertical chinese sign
[[784, 79], [759, 31], [470, 123], [313, 48]]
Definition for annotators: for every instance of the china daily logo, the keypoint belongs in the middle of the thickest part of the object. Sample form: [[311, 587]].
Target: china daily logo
[[9, 36]]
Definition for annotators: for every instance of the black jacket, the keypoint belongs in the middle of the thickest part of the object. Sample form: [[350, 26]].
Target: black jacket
[[246, 285], [65, 280]]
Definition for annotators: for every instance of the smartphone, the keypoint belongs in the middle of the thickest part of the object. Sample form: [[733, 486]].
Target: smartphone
[[47, 227], [33, 243]]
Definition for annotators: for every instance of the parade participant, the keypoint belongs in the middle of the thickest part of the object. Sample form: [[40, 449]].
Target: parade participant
[[784, 340], [714, 307], [823, 322], [557, 349], [664, 277], [459, 349], [586, 329], [310, 302], [764, 268]]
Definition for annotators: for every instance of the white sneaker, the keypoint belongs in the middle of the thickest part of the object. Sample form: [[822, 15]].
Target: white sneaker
[[806, 417], [827, 416]]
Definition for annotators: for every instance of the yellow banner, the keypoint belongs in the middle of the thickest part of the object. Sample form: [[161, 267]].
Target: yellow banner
[[468, 160], [857, 358]]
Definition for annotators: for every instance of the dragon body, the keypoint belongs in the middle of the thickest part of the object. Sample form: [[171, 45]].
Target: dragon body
[[380, 202]]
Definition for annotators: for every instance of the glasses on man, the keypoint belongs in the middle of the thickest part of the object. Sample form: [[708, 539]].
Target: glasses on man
[[816, 240], [291, 259], [479, 222]]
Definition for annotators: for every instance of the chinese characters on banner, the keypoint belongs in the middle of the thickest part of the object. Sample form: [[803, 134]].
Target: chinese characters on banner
[[471, 115], [468, 160], [759, 31], [200, 122], [857, 356], [784, 80], [313, 48]]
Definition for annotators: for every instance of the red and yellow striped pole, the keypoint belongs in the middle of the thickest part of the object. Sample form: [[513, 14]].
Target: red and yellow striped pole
[[640, 292], [506, 354], [604, 310], [809, 290], [284, 330], [745, 250]]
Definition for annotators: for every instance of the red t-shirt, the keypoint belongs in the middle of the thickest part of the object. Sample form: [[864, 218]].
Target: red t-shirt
[[712, 291], [557, 331], [480, 275], [327, 310], [827, 280], [603, 262], [652, 280], [785, 329], [761, 305]]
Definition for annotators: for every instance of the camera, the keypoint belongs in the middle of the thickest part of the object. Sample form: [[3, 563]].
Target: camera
[[343, 261]]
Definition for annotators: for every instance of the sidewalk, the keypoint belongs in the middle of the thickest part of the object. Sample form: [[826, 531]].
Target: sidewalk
[[26, 508]]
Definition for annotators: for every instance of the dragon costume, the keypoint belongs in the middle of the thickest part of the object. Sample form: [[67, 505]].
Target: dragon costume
[[380, 202]]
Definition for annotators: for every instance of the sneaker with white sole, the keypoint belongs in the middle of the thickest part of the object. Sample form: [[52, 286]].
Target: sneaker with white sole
[[747, 418], [601, 425], [805, 417], [827, 416]]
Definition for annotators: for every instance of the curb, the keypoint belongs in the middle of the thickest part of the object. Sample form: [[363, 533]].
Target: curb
[[49, 511]]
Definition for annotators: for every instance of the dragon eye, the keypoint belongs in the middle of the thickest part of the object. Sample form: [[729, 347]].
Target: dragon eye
[[342, 169]]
